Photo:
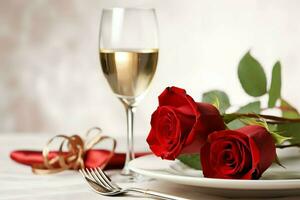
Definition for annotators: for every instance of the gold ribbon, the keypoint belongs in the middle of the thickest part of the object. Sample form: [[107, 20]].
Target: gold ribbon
[[73, 157]]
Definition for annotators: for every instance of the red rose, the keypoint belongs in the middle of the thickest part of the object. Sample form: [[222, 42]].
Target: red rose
[[180, 125], [244, 153]]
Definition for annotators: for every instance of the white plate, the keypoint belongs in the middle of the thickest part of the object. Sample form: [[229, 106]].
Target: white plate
[[275, 181]]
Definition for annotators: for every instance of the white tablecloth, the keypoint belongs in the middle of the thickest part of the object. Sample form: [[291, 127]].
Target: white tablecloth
[[18, 182]]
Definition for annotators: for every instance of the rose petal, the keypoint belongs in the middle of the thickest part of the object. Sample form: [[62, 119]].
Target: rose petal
[[240, 154]]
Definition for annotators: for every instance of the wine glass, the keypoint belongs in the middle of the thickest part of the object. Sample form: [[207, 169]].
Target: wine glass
[[128, 49]]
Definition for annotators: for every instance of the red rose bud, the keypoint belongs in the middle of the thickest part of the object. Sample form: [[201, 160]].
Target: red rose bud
[[244, 153], [180, 125]]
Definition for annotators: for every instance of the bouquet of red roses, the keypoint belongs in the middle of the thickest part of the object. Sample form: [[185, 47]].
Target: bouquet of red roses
[[239, 145]]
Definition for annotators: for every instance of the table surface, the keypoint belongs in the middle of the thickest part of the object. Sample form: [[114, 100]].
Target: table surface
[[18, 182]]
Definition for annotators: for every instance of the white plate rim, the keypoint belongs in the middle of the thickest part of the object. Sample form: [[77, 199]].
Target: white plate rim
[[278, 184]]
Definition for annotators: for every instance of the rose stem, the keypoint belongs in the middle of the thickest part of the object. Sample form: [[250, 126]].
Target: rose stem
[[281, 146], [270, 117]]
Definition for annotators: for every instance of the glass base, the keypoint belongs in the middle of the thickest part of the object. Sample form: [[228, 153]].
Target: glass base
[[118, 177]]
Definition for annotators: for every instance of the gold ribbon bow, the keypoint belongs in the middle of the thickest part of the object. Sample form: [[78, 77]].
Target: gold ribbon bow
[[73, 157]]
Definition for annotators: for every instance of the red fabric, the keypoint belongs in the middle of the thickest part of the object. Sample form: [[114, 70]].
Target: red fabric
[[93, 158]]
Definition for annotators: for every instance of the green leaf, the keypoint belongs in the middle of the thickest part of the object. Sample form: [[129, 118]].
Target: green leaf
[[279, 139], [235, 124], [288, 111], [217, 97], [252, 76], [253, 107], [291, 130], [227, 118], [275, 89], [251, 121], [192, 160]]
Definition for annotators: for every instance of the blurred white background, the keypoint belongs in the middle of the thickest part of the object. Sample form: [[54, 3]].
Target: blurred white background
[[50, 75]]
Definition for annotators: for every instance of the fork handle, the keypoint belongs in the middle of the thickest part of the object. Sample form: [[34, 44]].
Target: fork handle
[[157, 195]]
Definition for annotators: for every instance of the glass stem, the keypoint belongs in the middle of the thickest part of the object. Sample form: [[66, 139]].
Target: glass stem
[[130, 142]]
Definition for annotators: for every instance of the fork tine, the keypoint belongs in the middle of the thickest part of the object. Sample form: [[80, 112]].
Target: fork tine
[[88, 173], [101, 189], [102, 183], [106, 178], [103, 174], [84, 173], [100, 180], [95, 176], [86, 176]]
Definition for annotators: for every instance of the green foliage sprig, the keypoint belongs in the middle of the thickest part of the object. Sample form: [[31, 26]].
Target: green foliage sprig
[[254, 82], [285, 129]]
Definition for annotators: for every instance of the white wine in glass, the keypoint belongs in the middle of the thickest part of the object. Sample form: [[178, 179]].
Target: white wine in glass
[[128, 54], [129, 71]]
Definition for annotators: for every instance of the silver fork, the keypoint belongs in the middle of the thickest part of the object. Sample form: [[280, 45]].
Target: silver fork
[[101, 184]]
